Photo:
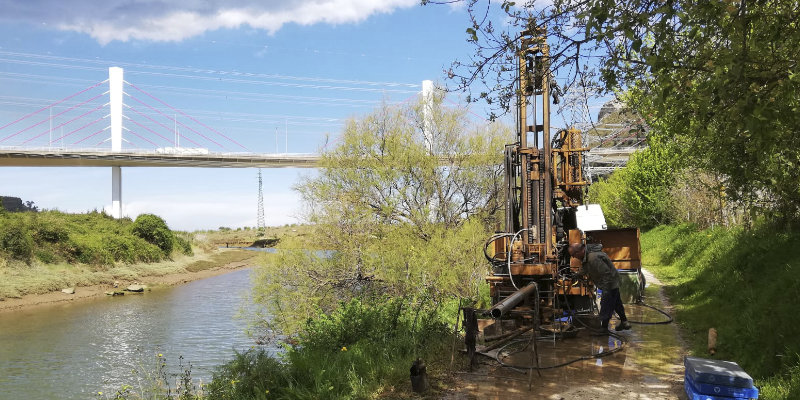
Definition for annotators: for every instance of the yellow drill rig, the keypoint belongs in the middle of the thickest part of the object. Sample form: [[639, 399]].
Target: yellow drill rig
[[533, 280]]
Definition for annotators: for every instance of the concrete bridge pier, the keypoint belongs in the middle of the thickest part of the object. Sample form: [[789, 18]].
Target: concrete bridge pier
[[116, 192]]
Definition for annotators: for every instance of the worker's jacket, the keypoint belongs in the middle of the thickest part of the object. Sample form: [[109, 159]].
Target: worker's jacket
[[599, 267]]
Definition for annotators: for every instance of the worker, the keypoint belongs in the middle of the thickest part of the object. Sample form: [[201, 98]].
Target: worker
[[602, 272]]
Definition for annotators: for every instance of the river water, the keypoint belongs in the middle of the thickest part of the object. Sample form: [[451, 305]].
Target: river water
[[74, 351]]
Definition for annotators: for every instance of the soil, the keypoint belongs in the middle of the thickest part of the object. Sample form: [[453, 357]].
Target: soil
[[649, 364], [83, 293]]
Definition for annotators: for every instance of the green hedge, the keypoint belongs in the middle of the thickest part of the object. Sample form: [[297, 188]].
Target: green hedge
[[92, 238]]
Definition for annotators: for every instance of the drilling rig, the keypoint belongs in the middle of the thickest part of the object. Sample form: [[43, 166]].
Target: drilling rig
[[533, 281]]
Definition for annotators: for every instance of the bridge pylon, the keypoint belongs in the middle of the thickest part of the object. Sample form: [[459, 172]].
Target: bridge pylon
[[115, 81]]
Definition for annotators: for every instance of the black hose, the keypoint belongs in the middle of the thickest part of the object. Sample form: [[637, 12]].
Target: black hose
[[667, 321], [493, 259], [640, 301], [622, 339], [533, 338]]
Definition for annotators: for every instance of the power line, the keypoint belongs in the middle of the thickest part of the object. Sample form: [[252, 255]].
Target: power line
[[213, 93], [224, 79], [212, 71]]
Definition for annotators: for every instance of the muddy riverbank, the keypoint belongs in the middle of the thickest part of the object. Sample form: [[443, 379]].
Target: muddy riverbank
[[185, 271]]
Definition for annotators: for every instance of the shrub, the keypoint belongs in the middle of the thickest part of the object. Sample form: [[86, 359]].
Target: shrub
[[350, 353], [154, 230], [145, 251], [120, 248], [50, 230], [91, 250], [184, 245], [253, 374], [17, 242], [46, 255]]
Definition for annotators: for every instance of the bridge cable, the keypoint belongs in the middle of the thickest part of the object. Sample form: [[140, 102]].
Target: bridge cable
[[175, 120], [68, 122], [52, 105], [189, 116]]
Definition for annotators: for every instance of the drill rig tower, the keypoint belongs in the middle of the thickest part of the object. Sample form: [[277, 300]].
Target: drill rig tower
[[544, 189]]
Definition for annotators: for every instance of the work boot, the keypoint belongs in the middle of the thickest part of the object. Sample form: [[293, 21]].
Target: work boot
[[623, 325]]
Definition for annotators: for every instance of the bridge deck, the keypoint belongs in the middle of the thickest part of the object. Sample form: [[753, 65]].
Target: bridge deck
[[96, 158]]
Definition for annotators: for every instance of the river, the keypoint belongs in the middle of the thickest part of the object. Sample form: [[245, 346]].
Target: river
[[74, 351]]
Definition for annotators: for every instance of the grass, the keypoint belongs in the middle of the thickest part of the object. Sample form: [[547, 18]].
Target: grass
[[270, 236], [744, 283], [220, 258]]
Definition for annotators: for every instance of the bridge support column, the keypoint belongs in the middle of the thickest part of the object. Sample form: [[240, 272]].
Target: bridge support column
[[116, 192]]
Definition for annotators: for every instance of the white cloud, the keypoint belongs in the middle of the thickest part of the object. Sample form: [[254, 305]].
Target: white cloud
[[164, 20]]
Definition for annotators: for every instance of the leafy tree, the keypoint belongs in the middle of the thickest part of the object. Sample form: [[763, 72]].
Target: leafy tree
[[719, 77], [608, 192], [649, 176], [402, 205], [639, 194], [154, 230]]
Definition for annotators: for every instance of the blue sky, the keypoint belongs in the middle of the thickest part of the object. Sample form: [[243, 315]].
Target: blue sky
[[253, 72], [250, 70]]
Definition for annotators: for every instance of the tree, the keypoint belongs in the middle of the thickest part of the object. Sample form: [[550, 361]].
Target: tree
[[402, 207], [640, 194], [719, 77], [154, 230]]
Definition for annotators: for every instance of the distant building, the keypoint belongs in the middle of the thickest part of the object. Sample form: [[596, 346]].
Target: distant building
[[609, 108]]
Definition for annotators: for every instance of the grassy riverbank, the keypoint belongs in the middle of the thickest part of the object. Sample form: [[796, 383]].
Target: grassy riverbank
[[744, 283], [47, 251]]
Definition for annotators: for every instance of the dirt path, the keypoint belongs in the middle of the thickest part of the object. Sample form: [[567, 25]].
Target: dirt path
[[649, 365], [83, 293]]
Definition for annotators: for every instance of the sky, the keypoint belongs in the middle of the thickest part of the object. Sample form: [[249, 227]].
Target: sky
[[260, 76]]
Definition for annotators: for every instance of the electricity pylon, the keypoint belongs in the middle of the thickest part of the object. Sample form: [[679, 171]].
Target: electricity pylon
[[261, 224]]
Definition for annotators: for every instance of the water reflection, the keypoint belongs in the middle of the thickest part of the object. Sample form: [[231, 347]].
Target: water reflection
[[71, 351]]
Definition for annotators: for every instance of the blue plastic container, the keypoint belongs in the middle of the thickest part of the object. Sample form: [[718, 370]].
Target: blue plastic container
[[693, 394], [726, 392], [717, 379]]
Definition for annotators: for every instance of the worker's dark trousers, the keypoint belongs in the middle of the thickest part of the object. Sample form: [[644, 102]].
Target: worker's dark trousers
[[610, 303]]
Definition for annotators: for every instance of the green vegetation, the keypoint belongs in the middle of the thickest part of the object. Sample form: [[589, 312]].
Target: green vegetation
[[355, 352], [94, 238], [745, 284], [639, 195]]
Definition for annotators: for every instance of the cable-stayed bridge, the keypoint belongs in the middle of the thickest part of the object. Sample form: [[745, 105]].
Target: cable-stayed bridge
[[117, 124]]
